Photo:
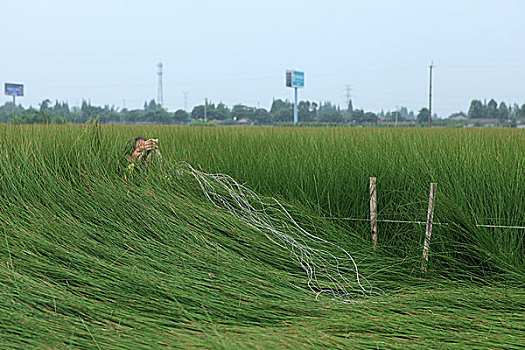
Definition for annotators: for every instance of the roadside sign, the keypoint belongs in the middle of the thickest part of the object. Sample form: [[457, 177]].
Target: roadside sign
[[14, 89], [298, 79], [294, 79]]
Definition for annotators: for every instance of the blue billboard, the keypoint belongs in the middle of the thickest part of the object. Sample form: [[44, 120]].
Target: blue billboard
[[14, 89], [297, 79], [294, 79]]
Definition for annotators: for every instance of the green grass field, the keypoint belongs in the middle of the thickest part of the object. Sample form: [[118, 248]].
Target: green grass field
[[94, 257]]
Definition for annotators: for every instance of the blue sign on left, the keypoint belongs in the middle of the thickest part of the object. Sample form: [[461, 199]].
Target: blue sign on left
[[14, 89]]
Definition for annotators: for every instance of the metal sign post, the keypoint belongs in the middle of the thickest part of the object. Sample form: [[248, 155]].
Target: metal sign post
[[295, 79], [295, 113]]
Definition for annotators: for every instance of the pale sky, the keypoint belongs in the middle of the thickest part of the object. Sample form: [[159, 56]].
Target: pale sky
[[238, 51]]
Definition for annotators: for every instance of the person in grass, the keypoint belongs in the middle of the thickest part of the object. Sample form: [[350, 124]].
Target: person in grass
[[139, 150]]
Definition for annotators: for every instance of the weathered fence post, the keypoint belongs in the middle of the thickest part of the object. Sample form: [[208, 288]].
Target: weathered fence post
[[428, 231], [373, 211]]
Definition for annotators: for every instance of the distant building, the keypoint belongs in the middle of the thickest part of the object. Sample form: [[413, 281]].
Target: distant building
[[483, 122], [243, 121], [458, 116]]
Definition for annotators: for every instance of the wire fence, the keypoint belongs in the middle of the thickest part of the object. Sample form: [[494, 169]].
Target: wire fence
[[416, 222], [373, 220], [374, 213]]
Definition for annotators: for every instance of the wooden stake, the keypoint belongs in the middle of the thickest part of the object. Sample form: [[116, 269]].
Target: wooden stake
[[428, 231], [373, 211]]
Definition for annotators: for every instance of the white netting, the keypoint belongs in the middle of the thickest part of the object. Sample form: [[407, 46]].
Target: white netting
[[327, 273]]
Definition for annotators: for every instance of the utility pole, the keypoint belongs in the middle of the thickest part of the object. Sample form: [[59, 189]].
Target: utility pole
[[185, 93], [430, 96], [397, 114], [160, 98], [205, 105]]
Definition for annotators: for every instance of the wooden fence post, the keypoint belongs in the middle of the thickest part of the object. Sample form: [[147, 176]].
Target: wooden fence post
[[428, 231], [373, 211]]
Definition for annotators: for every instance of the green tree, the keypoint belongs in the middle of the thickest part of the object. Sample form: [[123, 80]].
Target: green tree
[[151, 106], [395, 116], [181, 116], [514, 111], [198, 112], [306, 111], [370, 117], [211, 111], [358, 116], [242, 112], [222, 112], [329, 113], [281, 111], [492, 110], [349, 109], [476, 109], [503, 112], [422, 115], [45, 106], [404, 111], [261, 116], [280, 104]]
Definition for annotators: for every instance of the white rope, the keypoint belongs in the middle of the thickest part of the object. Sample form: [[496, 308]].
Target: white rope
[[337, 276]]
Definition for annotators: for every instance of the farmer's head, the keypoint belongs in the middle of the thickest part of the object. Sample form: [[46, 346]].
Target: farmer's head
[[139, 148]]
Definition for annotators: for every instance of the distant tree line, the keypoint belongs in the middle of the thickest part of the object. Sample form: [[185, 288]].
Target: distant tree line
[[281, 112], [491, 110]]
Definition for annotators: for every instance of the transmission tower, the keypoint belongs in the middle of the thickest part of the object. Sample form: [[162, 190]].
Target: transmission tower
[[348, 100], [160, 98], [348, 95]]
